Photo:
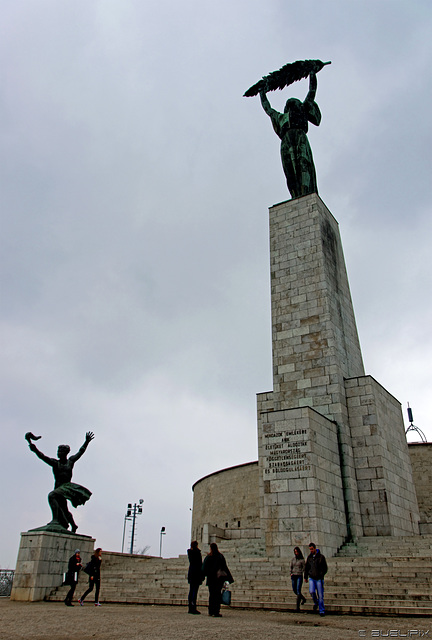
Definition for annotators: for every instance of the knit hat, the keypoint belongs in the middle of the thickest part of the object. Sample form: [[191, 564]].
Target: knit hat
[[76, 551]]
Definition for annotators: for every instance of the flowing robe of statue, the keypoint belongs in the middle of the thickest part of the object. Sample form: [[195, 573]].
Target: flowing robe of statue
[[292, 127], [64, 489]]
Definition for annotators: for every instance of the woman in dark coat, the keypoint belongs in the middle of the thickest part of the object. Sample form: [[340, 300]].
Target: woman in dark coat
[[194, 575], [74, 567], [216, 570], [93, 569]]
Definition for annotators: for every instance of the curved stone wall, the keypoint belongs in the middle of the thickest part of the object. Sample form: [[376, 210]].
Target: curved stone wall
[[228, 500]]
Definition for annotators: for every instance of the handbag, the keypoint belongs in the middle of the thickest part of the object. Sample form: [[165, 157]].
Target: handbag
[[226, 597], [88, 568]]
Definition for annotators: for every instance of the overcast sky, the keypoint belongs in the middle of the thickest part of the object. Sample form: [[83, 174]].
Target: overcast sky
[[135, 186]]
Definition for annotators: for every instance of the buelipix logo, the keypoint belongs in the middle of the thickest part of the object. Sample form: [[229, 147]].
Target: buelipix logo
[[393, 633]]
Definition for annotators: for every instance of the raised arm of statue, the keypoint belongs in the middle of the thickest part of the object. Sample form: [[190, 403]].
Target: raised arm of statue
[[29, 437], [313, 84], [265, 103], [274, 115], [89, 437], [313, 112]]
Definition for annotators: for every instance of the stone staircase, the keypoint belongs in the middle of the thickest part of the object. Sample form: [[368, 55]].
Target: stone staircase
[[382, 576]]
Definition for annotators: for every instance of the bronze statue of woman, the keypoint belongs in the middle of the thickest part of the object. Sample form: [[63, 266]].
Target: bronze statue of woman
[[64, 489], [292, 126]]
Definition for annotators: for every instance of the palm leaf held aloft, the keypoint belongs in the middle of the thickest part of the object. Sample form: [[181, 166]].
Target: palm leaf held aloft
[[285, 76]]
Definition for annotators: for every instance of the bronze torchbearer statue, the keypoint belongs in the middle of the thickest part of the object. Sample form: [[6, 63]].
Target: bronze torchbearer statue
[[64, 489], [292, 125]]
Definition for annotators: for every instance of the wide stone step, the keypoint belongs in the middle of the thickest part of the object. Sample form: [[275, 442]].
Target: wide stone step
[[376, 583], [353, 608], [408, 546]]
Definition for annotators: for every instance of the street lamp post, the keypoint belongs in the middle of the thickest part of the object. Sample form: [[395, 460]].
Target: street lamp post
[[162, 533], [131, 514]]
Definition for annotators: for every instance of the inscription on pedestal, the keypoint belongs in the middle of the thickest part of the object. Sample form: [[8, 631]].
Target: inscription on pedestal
[[285, 452]]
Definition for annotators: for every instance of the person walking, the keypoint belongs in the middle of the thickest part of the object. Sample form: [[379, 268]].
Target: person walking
[[216, 570], [74, 567], [93, 569], [296, 569], [194, 576], [315, 570]]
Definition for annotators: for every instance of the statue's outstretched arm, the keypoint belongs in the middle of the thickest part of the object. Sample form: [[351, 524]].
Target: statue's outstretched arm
[[313, 84], [312, 110], [29, 437], [89, 437], [265, 103]]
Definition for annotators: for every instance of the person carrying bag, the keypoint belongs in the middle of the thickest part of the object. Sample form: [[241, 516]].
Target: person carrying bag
[[216, 571]]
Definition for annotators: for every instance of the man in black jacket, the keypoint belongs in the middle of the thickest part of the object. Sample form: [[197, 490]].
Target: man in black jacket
[[315, 570]]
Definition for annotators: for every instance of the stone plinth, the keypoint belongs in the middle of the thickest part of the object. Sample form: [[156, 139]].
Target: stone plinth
[[315, 345], [302, 497], [42, 559], [317, 363]]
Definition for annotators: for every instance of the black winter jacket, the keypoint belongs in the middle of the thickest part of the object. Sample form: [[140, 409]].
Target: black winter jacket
[[195, 564], [211, 565], [316, 566]]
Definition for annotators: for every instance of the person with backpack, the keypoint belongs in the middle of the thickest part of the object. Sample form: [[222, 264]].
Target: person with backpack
[[216, 570], [93, 570]]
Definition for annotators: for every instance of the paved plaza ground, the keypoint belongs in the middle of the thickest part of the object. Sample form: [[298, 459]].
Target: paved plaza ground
[[54, 621]]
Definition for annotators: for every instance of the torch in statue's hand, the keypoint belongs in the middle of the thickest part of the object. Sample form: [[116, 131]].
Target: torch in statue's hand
[[29, 437]]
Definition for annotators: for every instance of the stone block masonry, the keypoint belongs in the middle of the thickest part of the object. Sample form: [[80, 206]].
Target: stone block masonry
[[349, 472], [333, 460], [420, 455], [42, 559], [387, 495], [302, 497], [315, 345], [314, 335]]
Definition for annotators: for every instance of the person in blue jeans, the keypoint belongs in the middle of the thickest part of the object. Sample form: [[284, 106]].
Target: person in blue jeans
[[296, 570], [315, 570]]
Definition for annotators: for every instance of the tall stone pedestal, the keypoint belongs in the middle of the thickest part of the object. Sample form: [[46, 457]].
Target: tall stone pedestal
[[333, 457], [42, 559]]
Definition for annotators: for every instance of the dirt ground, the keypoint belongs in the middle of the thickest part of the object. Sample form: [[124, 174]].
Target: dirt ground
[[54, 621]]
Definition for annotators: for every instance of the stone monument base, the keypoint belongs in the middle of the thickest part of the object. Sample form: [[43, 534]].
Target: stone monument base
[[302, 489], [42, 559]]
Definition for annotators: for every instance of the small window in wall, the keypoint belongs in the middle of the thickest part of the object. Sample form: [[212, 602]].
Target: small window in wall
[[238, 523], [226, 525]]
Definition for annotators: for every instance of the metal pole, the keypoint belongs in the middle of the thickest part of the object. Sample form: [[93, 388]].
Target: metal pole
[[124, 529], [133, 528], [162, 533]]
